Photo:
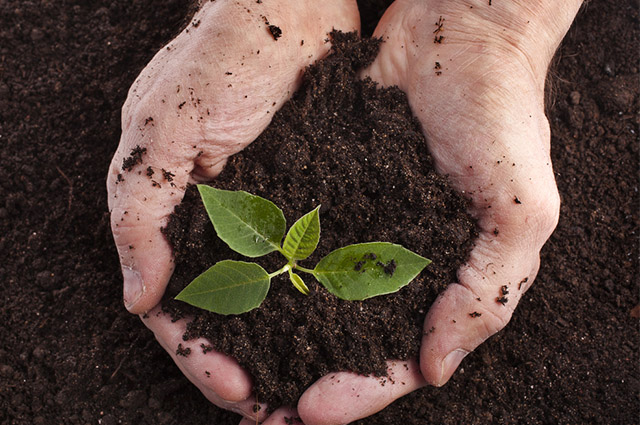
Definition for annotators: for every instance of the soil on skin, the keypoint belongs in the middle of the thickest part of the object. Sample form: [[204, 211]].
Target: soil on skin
[[342, 143], [70, 353]]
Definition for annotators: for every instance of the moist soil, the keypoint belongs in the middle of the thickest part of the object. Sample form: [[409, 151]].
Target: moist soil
[[354, 149], [70, 353]]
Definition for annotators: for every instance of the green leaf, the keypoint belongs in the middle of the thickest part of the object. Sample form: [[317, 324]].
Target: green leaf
[[229, 287], [249, 224], [298, 283], [358, 272], [303, 236]]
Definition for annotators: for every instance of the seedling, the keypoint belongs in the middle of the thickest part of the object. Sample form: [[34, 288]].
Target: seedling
[[254, 226]]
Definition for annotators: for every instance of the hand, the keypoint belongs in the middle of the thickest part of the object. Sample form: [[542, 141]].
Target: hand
[[205, 96], [474, 74]]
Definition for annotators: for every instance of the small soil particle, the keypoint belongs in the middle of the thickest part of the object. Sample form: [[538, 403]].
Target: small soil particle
[[134, 158], [168, 176], [275, 31], [390, 267], [523, 281], [182, 351]]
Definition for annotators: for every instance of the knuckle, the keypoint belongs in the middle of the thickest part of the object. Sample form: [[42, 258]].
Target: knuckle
[[122, 224], [535, 210], [545, 211], [496, 320]]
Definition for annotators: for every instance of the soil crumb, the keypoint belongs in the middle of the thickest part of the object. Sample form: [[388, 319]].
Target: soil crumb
[[134, 158]]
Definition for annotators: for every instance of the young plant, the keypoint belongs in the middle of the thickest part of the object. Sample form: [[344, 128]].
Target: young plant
[[254, 226]]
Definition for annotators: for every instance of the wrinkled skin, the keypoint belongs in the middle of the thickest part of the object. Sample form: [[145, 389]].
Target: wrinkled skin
[[478, 94]]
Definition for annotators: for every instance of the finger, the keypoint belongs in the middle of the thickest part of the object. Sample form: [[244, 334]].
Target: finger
[[144, 185], [390, 66], [282, 416], [219, 377], [344, 397]]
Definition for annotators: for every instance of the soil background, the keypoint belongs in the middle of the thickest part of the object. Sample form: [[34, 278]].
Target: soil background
[[70, 353]]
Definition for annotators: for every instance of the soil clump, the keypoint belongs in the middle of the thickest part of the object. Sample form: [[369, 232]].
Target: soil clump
[[355, 149]]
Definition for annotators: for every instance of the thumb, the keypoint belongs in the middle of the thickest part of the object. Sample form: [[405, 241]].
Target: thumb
[[144, 185], [464, 316], [501, 267]]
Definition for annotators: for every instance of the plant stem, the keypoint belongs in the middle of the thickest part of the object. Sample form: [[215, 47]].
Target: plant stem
[[303, 269], [284, 269], [281, 251]]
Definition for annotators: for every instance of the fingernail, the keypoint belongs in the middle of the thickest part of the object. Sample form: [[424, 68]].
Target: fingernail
[[450, 364], [133, 287]]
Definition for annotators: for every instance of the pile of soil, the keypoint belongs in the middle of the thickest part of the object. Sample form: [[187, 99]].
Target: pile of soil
[[70, 353], [342, 143]]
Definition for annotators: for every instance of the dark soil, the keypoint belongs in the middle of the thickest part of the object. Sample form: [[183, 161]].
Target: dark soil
[[70, 353], [354, 149]]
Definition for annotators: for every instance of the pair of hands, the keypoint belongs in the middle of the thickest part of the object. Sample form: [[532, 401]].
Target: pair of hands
[[479, 94]]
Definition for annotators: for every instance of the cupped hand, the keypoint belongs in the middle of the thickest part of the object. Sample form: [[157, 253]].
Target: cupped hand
[[205, 96], [474, 73]]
